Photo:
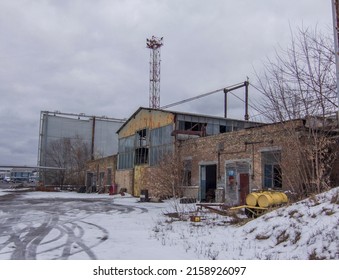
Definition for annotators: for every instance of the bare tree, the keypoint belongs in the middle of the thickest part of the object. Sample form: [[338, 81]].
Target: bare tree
[[300, 83], [167, 178], [309, 155], [70, 154]]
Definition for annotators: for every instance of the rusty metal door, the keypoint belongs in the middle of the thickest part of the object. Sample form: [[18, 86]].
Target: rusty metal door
[[244, 179]]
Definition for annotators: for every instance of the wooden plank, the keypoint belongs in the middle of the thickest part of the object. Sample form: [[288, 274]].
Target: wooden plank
[[210, 208]]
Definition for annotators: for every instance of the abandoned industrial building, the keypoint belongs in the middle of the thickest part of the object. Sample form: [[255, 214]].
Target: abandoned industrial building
[[203, 157], [150, 134], [167, 153]]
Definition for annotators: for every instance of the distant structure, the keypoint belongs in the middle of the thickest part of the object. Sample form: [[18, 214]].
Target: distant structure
[[61, 130], [154, 44]]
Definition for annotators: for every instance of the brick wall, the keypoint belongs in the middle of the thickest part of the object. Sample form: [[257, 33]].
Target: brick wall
[[240, 146], [101, 166], [238, 149]]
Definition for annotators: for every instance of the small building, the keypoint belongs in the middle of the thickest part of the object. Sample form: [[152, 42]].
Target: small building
[[5, 173], [23, 174]]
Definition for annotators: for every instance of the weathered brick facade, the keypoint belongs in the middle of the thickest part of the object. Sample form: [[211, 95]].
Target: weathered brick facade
[[124, 179], [218, 168], [101, 174], [241, 150]]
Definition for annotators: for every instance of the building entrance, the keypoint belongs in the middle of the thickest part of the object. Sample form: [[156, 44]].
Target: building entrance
[[208, 183]]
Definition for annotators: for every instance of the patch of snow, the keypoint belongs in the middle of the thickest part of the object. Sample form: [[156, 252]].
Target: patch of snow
[[308, 229]]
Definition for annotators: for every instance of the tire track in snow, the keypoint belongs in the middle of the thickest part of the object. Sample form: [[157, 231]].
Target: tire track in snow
[[32, 229]]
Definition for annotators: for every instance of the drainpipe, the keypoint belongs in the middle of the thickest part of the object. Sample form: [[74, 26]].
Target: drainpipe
[[93, 138]]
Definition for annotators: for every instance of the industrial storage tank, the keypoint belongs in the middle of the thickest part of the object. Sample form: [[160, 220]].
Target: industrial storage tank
[[257, 203], [266, 199], [252, 199]]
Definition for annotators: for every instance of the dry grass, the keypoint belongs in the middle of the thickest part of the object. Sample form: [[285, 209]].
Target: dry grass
[[297, 237], [292, 213], [282, 237], [335, 199], [314, 256], [262, 237], [252, 230], [314, 200], [328, 211], [235, 219]]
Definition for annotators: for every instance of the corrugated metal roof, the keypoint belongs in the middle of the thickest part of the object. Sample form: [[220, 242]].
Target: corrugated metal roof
[[180, 113]]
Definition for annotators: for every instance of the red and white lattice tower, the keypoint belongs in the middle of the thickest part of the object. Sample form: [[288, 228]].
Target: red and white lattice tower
[[154, 44]]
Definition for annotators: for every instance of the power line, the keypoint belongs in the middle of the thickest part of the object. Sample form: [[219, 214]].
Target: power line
[[260, 111], [197, 97], [244, 102], [325, 97], [301, 110], [210, 93]]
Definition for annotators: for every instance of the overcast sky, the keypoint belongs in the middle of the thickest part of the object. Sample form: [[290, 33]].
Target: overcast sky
[[90, 56]]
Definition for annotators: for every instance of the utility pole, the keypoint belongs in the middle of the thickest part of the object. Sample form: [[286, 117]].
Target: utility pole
[[228, 89], [154, 44], [335, 12]]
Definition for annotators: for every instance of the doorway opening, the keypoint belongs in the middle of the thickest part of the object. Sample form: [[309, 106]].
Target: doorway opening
[[208, 182]]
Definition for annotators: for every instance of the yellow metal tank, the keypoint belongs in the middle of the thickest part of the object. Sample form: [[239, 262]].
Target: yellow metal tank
[[267, 199], [277, 199], [252, 199], [283, 197]]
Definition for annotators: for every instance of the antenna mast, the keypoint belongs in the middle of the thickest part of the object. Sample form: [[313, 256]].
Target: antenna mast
[[154, 44]]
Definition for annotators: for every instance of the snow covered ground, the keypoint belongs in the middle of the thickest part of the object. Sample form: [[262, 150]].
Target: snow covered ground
[[103, 227], [308, 229]]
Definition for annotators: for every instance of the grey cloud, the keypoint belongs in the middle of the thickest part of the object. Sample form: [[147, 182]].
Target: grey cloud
[[91, 56]]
